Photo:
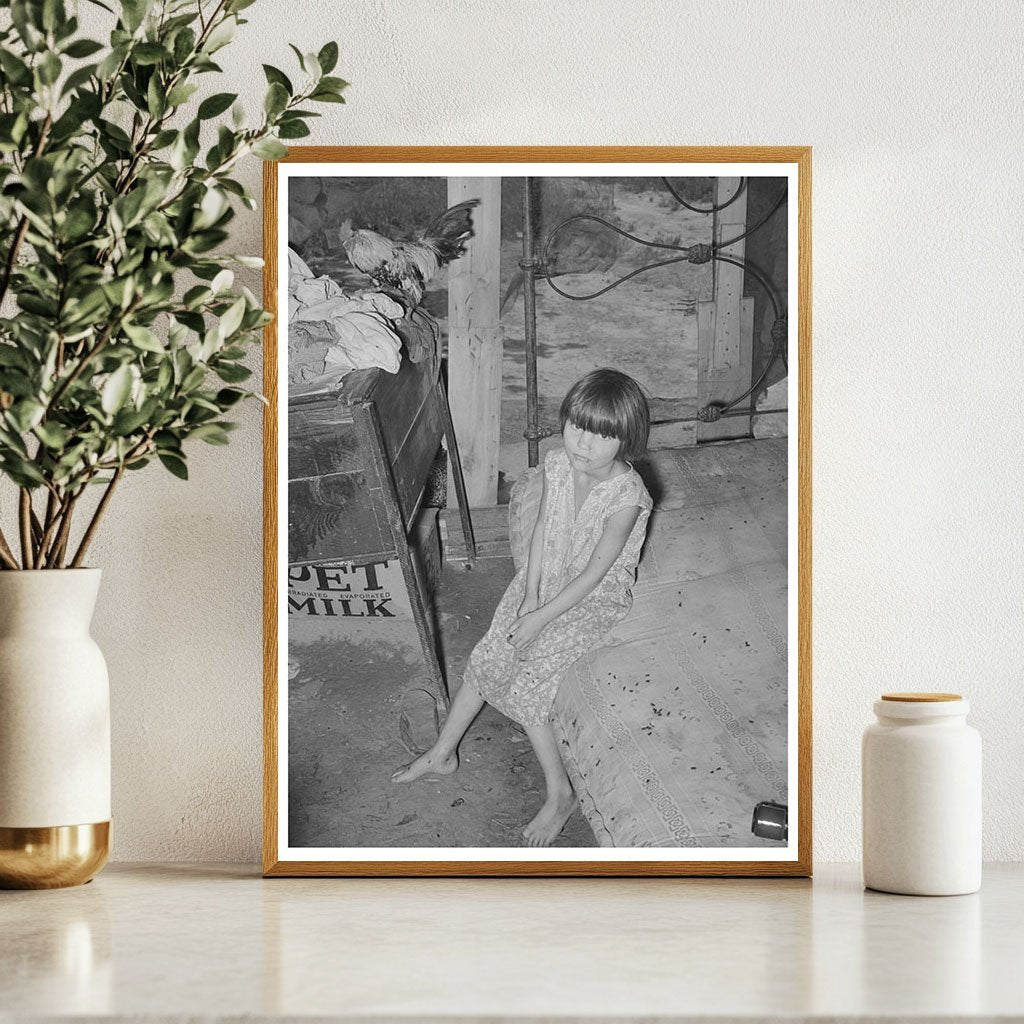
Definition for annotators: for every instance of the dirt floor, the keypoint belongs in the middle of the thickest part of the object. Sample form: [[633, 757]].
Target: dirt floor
[[347, 738]]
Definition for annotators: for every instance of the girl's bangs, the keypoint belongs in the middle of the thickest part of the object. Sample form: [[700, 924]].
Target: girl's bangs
[[596, 419]]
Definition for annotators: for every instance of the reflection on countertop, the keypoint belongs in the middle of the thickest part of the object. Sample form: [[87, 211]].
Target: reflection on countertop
[[177, 941]]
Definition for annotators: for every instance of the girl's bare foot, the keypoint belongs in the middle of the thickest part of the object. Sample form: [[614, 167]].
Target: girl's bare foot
[[550, 819], [430, 763]]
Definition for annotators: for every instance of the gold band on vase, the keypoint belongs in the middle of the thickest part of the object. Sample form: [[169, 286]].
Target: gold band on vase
[[52, 857]]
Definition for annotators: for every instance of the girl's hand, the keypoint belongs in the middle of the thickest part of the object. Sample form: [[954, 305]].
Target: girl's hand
[[525, 630], [530, 604]]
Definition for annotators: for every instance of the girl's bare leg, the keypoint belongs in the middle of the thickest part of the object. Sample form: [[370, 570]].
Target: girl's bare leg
[[560, 801], [442, 758]]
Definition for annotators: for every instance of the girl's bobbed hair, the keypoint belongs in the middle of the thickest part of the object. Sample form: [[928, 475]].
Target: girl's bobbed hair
[[610, 403]]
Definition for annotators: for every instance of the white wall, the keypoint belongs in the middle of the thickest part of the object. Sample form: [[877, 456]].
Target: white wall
[[914, 113]]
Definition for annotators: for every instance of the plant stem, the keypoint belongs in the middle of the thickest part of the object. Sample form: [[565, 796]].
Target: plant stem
[[6, 554], [54, 506], [37, 529], [60, 544], [25, 522], [51, 509], [96, 517]]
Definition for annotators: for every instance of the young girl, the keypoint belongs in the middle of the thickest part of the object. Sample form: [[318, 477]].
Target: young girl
[[574, 588]]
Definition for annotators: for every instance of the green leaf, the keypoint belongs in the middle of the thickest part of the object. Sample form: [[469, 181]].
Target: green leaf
[[53, 15], [269, 149], [12, 356], [181, 94], [115, 133], [195, 296], [184, 44], [167, 441], [278, 77], [26, 20], [293, 130], [116, 390], [334, 84], [175, 464], [109, 65], [211, 433], [227, 397], [53, 435], [129, 207], [232, 319], [65, 28], [222, 281], [16, 70], [77, 79], [25, 414], [325, 96], [83, 48], [276, 100], [49, 68], [214, 105], [328, 57], [38, 305], [310, 64], [165, 376], [232, 373], [149, 53], [221, 35], [129, 421], [156, 101], [193, 379], [144, 338], [119, 292], [11, 443], [254, 262], [162, 139], [133, 13], [17, 384], [21, 471]]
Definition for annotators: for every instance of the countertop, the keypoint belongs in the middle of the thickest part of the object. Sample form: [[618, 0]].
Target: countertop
[[180, 941]]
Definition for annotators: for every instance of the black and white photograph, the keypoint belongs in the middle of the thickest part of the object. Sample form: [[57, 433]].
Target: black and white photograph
[[536, 528]]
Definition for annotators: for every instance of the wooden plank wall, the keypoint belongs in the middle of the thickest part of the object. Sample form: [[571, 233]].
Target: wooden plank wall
[[725, 325], [475, 342]]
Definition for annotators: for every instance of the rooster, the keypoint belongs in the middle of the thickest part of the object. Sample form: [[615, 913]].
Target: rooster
[[409, 265]]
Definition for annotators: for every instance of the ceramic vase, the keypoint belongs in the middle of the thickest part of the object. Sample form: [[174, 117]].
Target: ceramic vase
[[54, 731]]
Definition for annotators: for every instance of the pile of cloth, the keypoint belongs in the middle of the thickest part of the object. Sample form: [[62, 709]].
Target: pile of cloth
[[332, 332]]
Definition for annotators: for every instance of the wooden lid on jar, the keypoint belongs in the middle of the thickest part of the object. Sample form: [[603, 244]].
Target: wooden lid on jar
[[921, 698]]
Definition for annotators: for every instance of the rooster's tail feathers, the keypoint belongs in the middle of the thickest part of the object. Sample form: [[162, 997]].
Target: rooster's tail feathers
[[448, 234]]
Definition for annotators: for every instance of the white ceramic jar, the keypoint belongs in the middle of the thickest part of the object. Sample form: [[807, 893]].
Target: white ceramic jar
[[921, 779]]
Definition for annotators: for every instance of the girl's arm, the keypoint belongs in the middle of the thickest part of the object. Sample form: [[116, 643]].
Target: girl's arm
[[535, 559], [616, 532]]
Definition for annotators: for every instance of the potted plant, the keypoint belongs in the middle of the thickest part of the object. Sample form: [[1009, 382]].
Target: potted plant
[[122, 340]]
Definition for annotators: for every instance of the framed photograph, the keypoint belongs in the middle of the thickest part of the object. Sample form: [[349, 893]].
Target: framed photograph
[[538, 511]]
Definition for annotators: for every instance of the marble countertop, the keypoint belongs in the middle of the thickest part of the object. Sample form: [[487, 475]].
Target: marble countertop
[[178, 941]]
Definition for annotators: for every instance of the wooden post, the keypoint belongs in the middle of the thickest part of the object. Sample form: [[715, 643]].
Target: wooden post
[[475, 341], [726, 324]]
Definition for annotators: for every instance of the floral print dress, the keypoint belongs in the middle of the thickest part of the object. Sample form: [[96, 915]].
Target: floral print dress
[[523, 685]]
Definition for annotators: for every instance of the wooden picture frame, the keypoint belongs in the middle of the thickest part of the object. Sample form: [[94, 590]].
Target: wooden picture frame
[[390, 497]]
